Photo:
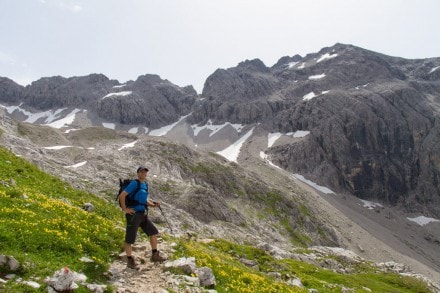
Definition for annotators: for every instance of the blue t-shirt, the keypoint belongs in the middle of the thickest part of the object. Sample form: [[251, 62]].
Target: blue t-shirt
[[141, 196]]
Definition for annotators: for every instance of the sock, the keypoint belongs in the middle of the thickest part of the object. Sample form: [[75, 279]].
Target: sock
[[129, 256], [154, 250]]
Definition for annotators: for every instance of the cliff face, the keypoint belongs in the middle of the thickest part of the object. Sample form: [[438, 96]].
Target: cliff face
[[149, 100], [373, 119]]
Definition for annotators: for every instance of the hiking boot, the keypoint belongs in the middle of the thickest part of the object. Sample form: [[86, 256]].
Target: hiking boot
[[132, 264], [157, 257]]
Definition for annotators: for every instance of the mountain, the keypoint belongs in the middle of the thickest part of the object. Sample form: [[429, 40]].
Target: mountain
[[149, 100], [372, 120], [337, 148], [204, 195]]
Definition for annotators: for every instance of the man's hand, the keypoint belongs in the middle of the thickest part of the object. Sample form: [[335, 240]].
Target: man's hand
[[129, 211]]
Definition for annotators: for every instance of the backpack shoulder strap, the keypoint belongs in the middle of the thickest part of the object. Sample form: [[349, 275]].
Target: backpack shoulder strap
[[137, 188]]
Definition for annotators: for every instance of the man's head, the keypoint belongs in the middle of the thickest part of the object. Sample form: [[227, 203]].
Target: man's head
[[142, 168]]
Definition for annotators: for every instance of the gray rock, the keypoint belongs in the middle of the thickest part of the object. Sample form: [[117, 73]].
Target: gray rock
[[206, 277], [9, 262], [188, 265]]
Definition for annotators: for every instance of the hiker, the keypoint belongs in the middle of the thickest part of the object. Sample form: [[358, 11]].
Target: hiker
[[136, 216]]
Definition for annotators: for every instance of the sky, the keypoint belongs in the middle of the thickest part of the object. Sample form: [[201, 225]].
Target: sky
[[185, 41]]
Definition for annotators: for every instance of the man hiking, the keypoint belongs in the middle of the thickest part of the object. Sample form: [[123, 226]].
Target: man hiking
[[135, 213]]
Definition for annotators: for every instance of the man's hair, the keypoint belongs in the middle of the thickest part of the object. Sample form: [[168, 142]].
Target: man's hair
[[142, 168]]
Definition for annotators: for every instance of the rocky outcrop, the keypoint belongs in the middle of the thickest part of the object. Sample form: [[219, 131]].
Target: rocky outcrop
[[149, 100], [373, 119], [10, 92]]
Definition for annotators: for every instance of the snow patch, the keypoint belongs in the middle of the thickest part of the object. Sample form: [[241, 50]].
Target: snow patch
[[309, 96], [68, 119], [76, 165], [326, 56], [109, 125], [319, 76], [434, 69], [301, 133], [121, 94], [58, 147], [214, 128], [164, 130], [323, 189], [274, 136], [231, 153], [370, 205], [127, 145], [291, 64], [422, 220], [264, 156], [50, 115], [133, 130]]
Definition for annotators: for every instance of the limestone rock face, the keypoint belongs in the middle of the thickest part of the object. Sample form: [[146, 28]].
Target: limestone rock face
[[148, 100], [373, 120]]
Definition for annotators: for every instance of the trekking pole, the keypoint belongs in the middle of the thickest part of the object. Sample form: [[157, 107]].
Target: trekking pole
[[166, 220]]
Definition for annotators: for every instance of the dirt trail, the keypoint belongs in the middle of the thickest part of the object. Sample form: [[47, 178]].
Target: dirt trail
[[150, 278]]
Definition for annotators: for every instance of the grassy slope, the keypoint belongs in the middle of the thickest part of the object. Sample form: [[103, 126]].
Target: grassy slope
[[233, 276], [44, 227]]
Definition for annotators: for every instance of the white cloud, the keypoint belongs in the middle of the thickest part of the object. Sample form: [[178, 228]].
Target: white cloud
[[68, 5], [61, 42], [6, 58]]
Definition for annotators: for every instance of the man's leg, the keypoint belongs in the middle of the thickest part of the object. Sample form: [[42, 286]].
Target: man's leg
[[152, 232], [130, 236], [153, 242], [127, 248]]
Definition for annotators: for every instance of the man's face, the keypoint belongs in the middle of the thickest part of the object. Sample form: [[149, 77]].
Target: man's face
[[142, 174]]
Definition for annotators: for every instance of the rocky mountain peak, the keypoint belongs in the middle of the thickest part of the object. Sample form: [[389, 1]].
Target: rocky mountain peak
[[287, 61], [253, 65], [371, 118]]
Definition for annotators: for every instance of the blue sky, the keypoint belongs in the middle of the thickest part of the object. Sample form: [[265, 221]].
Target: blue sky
[[185, 41]]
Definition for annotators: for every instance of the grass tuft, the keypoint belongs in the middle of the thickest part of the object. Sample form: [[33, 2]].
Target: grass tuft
[[43, 225]]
